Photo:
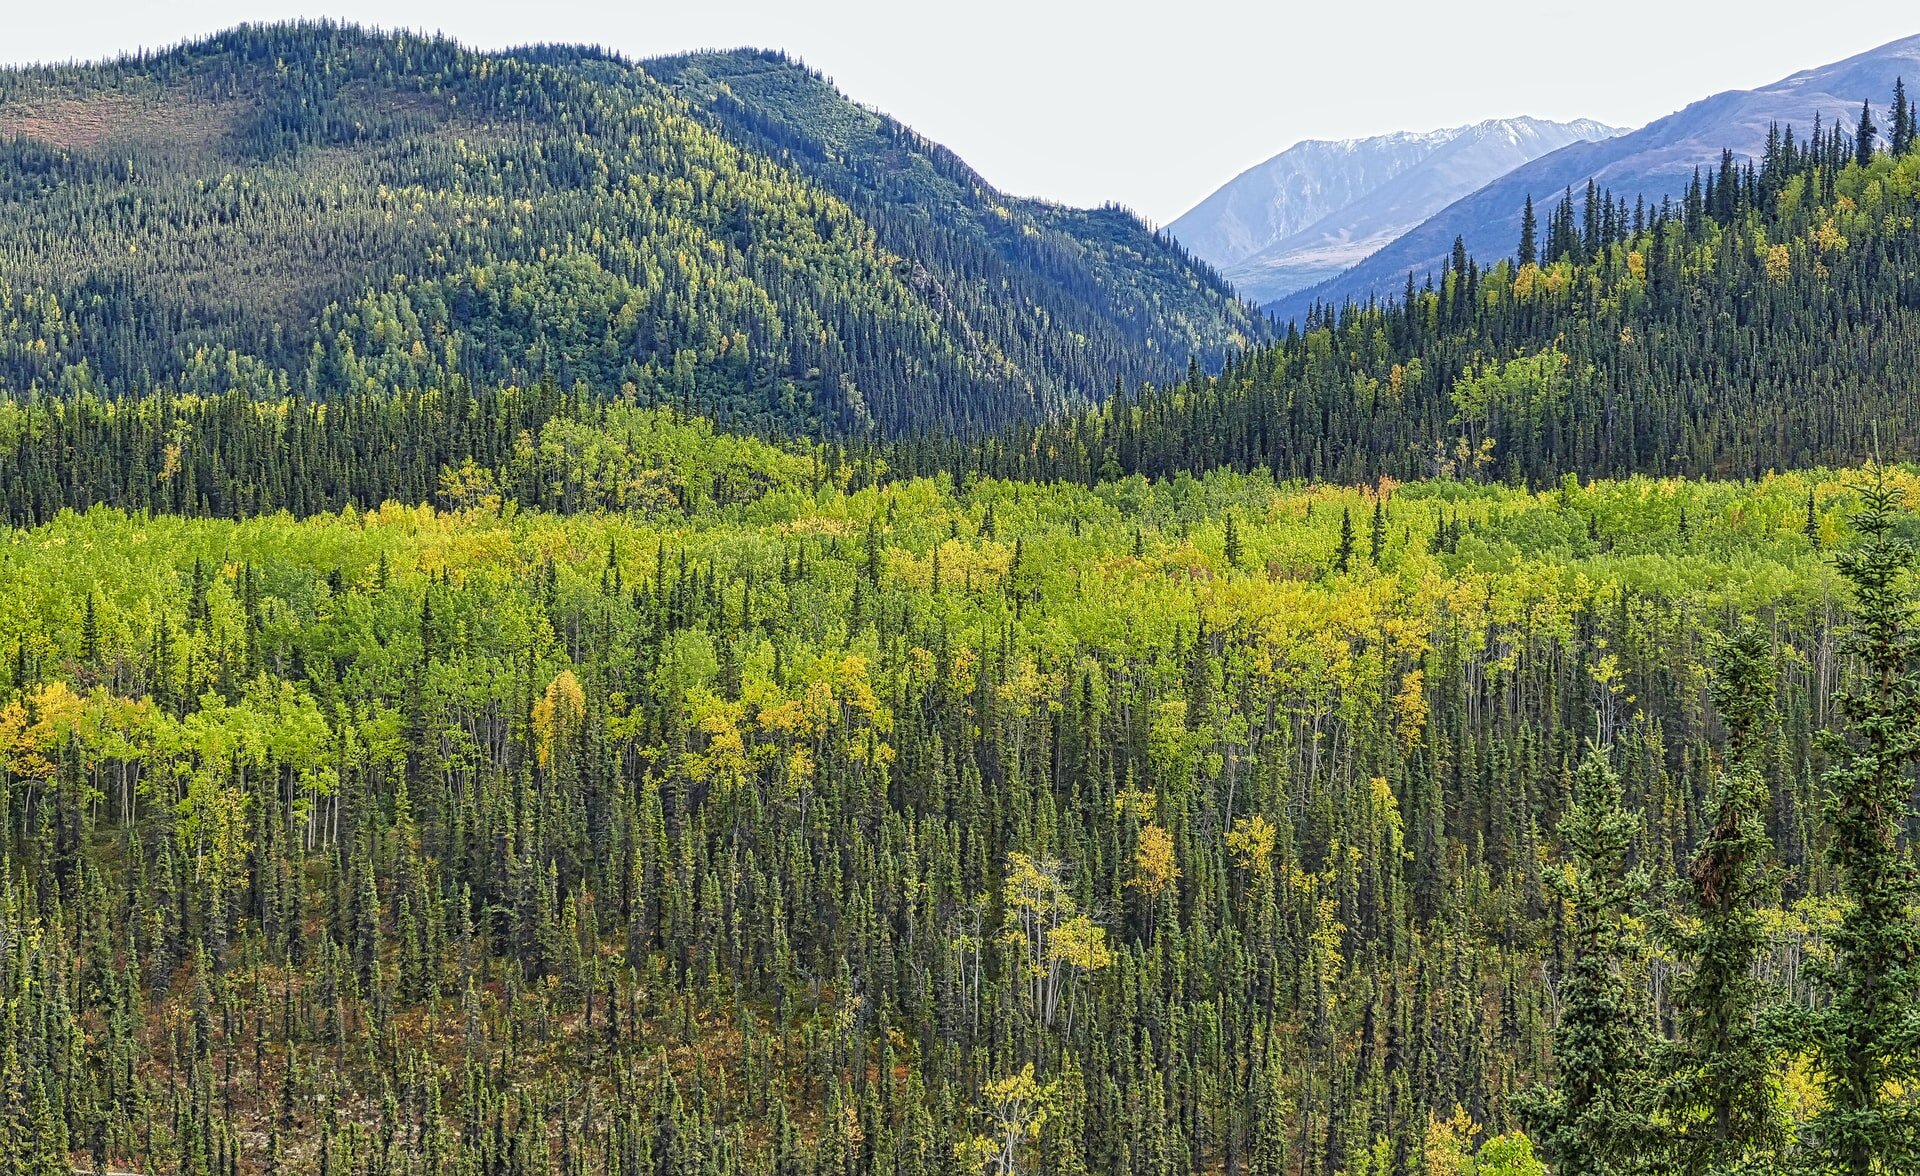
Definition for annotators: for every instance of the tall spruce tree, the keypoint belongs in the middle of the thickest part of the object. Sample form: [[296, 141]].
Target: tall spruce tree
[[1902, 132], [1723, 1098], [1597, 1120], [1867, 1038], [1864, 135]]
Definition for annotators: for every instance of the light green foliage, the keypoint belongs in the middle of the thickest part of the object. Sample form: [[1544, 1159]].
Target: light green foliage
[[378, 753]]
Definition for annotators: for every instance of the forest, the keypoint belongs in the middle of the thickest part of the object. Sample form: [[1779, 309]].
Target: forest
[[318, 210], [1471, 735], [1768, 319], [1191, 825]]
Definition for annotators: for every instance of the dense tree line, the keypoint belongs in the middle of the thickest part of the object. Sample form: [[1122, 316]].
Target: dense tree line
[[1767, 319], [315, 210], [232, 456], [1146, 828]]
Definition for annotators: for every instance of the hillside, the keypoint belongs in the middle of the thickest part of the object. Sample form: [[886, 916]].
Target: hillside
[[1319, 208], [565, 618], [1094, 289], [1768, 320], [324, 210], [1655, 162]]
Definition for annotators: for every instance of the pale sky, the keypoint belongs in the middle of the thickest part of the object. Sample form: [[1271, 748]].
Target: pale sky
[[1088, 102]]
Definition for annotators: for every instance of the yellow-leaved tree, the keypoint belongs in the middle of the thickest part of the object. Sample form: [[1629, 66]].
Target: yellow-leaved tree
[[557, 714], [1251, 843], [1053, 940], [1155, 868], [1015, 1109]]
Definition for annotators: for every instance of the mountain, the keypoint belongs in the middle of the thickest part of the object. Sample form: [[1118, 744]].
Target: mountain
[[1769, 325], [1653, 162], [1319, 207], [322, 209], [1097, 280]]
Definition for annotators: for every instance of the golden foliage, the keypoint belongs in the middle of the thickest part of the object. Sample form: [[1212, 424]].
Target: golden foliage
[[1251, 843], [1779, 264], [1137, 803], [1448, 1146], [557, 714], [1081, 944], [1154, 864]]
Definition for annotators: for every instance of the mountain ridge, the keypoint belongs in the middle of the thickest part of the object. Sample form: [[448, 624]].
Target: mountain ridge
[[1321, 205], [1654, 161], [317, 207]]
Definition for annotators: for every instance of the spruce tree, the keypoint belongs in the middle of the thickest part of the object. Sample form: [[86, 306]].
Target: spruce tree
[[90, 633], [1529, 235], [1863, 136], [1723, 1098], [1902, 132], [874, 552], [1597, 1120], [1343, 558], [1866, 1040]]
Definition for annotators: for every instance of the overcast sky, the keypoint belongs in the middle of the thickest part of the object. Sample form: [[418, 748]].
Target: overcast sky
[[1153, 107]]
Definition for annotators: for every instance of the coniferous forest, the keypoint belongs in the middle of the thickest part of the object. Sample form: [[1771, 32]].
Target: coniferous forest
[[560, 616]]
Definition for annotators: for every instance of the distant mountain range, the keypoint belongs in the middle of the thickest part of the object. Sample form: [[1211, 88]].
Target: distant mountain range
[[1655, 161], [1320, 207]]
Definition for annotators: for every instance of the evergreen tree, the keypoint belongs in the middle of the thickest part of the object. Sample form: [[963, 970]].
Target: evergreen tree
[[1343, 556], [1723, 1098], [1901, 116], [1597, 1119], [1867, 1038], [90, 633], [1529, 235], [1864, 135]]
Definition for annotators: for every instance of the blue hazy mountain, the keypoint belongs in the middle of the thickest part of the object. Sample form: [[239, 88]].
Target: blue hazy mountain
[[1655, 161], [1321, 207]]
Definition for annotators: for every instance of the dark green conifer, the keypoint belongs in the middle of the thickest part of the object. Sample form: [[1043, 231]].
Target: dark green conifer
[[1597, 1118], [1867, 1037], [1864, 136], [1901, 116], [1723, 1099]]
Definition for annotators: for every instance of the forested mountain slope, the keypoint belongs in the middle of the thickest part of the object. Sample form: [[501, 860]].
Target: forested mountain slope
[[317, 209], [1096, 291], [1655, 161], [1768, 319]]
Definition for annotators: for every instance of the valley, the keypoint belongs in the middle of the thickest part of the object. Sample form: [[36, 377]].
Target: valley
[[563, 614]]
